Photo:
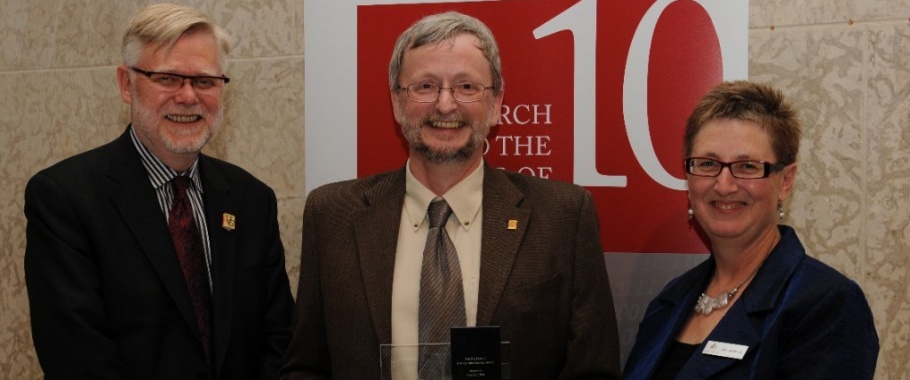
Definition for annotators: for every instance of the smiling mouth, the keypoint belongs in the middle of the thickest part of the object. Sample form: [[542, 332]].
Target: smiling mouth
[[445, 124], [728, 206], [183, 119]]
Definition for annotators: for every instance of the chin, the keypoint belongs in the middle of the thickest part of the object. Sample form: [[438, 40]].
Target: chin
[[186, 144], [445, 156], [725, 229]]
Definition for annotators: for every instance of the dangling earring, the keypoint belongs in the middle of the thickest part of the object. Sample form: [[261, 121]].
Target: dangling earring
[[780, 211], [691, 213]]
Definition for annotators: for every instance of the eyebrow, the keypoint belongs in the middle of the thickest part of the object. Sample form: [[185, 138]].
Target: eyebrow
[[741, 157], [172, 70]]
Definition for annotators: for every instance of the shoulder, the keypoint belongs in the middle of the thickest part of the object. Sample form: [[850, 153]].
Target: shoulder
[[535, 189], [212, 168], [681, 286], [361, 190], [806, 273], [82, 169], [804, 290], [819, 301], [819, 280]]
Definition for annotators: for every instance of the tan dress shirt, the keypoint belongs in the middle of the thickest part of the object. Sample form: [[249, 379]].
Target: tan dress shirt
[[464, 228]]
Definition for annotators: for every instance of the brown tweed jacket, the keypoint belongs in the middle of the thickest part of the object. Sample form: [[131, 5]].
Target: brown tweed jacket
[[545, 283]]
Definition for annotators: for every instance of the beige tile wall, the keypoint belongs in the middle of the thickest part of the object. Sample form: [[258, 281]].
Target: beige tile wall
[[845, 63]]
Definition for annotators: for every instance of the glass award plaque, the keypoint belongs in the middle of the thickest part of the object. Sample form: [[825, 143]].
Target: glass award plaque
[[476, 353], [434, 361]]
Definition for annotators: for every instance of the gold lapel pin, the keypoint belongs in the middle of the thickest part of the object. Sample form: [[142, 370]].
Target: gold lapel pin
[[228, 222], [513, 224]]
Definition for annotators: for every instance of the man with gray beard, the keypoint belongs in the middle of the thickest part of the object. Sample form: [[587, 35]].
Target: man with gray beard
[[146, 259], [398, 258]]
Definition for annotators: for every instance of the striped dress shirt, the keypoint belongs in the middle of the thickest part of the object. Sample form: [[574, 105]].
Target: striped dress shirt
[[160, 176]]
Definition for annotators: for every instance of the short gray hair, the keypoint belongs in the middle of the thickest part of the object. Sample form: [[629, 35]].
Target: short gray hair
[[441, 27], [163, 24]]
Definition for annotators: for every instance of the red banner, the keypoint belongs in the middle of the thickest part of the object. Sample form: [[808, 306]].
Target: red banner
[[597, 93]]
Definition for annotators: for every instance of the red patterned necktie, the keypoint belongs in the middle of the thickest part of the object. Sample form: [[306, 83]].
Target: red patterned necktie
[[188, 244]]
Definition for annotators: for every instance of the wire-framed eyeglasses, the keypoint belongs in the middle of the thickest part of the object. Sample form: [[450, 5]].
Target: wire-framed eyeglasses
[[173, 82], [428, 92], [744, 169]]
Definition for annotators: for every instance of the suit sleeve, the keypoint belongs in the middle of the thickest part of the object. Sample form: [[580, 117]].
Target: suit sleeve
[[279, 308], [593, 350], [64, 290], [308, 353], [834, 339]]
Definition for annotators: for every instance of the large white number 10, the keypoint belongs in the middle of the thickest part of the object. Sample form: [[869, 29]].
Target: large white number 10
[[581, 20]]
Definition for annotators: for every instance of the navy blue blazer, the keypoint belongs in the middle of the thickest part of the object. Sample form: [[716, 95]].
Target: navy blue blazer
[[799, 318]]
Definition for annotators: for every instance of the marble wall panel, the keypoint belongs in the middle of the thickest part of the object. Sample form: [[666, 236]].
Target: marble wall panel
[[79, 33], [766, 13], [23, 31], [45, 116], [18, 360], [50, 115], [262, 29], [298, 25], [290, 219], [265, 113], [887, 201], [824, 85], [850, 84], [82, 33]]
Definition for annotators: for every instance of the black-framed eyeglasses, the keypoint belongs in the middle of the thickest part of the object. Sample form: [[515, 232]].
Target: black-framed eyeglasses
[[744, 169], [173, 82], [428, 92]]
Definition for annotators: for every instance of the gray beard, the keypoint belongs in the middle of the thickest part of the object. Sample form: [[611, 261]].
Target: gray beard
[[450, 157], [411, 131]]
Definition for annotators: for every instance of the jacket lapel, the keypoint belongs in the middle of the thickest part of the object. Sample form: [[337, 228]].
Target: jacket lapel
[[654, 333], [217, 200], [734, 328], [135, 199], [744, 322], [376, 232], [499, 243]]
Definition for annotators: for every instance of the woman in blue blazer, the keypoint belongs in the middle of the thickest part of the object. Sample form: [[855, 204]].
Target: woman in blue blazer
[[759, 307]]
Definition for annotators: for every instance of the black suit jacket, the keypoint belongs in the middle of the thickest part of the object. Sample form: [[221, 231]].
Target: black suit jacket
[[107, 295], [545, 283]]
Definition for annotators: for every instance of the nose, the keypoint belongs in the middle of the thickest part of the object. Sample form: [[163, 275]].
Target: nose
[[186, 93], [446, 103], [725, 182]]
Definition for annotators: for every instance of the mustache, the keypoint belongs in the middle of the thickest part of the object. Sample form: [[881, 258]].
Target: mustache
[[193, 110], [437, 117]]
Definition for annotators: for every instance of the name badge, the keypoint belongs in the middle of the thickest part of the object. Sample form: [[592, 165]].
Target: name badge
[[725, 350]]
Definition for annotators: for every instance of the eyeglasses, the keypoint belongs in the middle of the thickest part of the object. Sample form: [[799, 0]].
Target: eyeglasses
[[745, 169], [173, 82], [428, 92]]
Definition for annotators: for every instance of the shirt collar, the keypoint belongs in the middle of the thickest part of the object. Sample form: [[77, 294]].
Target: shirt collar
[[465, 198], [159, 173]]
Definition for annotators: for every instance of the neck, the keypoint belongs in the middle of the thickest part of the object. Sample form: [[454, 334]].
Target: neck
[[736, 262], [179, 162], [439, 178]]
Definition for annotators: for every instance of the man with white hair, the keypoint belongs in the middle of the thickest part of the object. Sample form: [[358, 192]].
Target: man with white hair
[[146, 259]]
